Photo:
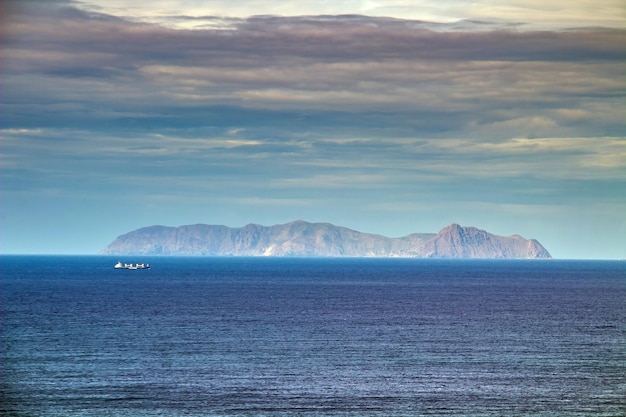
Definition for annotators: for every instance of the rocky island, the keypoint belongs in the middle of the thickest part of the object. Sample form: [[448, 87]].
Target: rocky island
[[300, 238]]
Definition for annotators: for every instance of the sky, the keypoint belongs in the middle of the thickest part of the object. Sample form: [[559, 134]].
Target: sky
[[387, 116]]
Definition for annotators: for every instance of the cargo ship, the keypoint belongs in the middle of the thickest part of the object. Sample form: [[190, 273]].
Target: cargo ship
[[120, 265]]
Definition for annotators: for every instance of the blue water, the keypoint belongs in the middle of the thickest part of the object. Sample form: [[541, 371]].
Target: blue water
[[312, 337]]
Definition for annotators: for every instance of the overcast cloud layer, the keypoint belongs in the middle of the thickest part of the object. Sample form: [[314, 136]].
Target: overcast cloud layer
[[111, 122]]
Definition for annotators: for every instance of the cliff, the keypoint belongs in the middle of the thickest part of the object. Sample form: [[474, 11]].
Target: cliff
[[301, 238], [456, 241]]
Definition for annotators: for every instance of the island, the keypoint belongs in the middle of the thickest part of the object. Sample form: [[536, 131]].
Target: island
[[301, 238]]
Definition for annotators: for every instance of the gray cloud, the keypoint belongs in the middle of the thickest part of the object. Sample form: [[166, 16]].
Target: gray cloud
[[326, 38], [95, 67]]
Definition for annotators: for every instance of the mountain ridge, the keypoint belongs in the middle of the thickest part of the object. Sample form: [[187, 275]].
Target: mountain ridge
[[301, 238]]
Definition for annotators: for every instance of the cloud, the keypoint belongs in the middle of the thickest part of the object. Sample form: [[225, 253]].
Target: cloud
[[534, 14], [245, 165], [73, 68]]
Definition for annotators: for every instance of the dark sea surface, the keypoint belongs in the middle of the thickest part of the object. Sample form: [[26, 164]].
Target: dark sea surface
[[311, 337]]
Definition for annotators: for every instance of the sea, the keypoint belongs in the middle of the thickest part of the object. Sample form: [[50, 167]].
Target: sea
[[231, 336]]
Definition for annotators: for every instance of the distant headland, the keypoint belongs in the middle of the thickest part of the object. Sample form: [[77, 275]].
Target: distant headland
[[300, 238]]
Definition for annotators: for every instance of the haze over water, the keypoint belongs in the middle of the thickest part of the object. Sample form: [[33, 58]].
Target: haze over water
[[312, 337]]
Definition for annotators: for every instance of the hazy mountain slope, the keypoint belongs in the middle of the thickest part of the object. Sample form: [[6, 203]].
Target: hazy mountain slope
[[456, 241], [301, 238]]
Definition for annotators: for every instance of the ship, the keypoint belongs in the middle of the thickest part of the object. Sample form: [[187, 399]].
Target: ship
[[120, 265]]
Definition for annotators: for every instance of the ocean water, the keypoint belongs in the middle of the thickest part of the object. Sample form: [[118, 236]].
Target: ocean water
[[311, 337]]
